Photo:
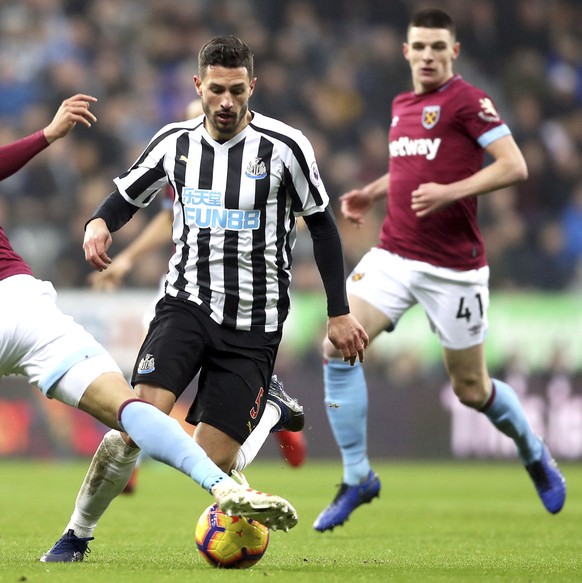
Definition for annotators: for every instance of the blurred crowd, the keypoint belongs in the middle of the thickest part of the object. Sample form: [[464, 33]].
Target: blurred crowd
[[329, 68]]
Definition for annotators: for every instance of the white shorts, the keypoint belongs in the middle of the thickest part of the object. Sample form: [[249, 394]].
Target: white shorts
[[46, 346], [455, 302]]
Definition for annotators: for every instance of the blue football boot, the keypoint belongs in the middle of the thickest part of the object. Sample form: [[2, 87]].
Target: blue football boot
[[549, 481], [346, 501]]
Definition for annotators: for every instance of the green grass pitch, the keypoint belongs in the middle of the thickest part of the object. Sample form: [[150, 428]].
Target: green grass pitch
[[434, 522]]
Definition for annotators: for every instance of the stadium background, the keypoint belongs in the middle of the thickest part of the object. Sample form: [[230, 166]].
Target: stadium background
[[331, 69]]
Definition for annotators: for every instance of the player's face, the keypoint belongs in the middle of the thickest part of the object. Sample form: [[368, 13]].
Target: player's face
[[225, 94], [430, 52]]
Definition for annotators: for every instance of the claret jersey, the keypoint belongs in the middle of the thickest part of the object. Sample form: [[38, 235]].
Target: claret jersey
[[13, 157], [439, 137]]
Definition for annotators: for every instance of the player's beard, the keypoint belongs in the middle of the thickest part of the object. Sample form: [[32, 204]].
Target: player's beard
[[226, 128]]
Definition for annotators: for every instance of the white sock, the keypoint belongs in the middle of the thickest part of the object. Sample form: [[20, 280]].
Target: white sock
[[253, 443], [108, 474]]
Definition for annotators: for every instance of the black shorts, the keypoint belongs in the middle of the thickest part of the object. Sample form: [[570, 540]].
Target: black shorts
[[235, 366]]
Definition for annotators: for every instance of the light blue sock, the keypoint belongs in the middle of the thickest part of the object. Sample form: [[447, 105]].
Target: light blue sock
[[163, 439], [346, 399], [505, 411]]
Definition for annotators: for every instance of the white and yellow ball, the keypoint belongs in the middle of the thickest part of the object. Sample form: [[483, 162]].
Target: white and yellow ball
[[230, 542]]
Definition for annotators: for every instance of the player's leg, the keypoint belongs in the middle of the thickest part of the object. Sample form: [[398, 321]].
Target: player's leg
[[160, 437], [458, 312], [116, 457], [288, 430], [378, 290], [346, 405], [108, 398], [237, 372], [282, 414], [497, 400], [147, 317], [500, 404]]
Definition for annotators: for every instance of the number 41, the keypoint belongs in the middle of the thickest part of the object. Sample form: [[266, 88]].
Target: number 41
[[465, 312]]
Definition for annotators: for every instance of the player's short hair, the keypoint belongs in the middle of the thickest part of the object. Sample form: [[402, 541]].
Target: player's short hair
[[433, 18], [225, 51]]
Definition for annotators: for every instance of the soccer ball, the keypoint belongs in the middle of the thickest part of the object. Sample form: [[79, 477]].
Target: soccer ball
[[230, 542]]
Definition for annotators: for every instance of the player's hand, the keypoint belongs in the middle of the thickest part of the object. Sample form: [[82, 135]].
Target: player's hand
[[72, 111], [95, 244], [354, 205], [430, 197], [111, 278], [348, 336]]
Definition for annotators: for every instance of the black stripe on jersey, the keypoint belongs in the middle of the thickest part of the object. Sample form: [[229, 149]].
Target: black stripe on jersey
[[262, 188], [203, 242], [283, 251], [298, 153], [296, 204], [156, 173], [179, 179], [145, 181], [232, 200]]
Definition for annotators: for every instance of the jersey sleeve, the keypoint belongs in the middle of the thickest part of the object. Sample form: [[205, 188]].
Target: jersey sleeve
[[303, 179], [147, 176], [480, 118], [15, 155]]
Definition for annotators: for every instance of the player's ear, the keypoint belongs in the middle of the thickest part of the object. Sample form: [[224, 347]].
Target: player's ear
[[198, 85], [252, 85], [456, 50]]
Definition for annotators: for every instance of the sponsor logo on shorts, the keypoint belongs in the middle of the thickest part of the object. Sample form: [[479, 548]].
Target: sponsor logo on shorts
[[147, 364], [475, 330]]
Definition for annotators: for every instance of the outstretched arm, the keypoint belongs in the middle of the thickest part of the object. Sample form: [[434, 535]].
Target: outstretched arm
[[343, 330], [357, 202], [72, 111]]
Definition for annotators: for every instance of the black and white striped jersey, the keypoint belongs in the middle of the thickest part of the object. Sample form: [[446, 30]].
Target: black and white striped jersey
[[234, 214]]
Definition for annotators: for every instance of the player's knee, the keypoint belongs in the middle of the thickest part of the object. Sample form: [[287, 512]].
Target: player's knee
[[470, 391]]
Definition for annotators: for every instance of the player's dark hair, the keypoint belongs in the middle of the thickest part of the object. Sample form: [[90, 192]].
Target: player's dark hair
[[433, 18], [225, 51]]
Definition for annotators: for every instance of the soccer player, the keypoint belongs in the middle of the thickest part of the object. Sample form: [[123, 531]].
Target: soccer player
[[240, 179], [293, 444], [157, 233], [431, 252], [66, 363]]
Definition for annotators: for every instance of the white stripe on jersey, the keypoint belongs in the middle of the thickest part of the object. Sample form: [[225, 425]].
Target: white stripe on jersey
[[234, 214]]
